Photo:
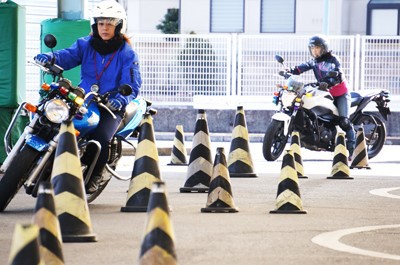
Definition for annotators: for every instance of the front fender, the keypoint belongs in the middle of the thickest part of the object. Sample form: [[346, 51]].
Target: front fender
[[279, 116]]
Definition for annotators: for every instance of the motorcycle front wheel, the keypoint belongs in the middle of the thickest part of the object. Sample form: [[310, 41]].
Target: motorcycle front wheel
[[374, 133], [274, 140], [16, 174]]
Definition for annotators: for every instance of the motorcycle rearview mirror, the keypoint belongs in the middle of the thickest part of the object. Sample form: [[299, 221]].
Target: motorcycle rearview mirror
[[50, 41], [125, 89], [279, 59]]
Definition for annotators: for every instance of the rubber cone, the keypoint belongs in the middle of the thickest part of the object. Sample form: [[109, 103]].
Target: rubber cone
[[288, 199], [200, 162], [158, 243], [240, 163], [46, 219], [146, 169], [360, 155], [220, 197], [179, 154], [298, 161], [25, 245], [340, 167], [70, 196]]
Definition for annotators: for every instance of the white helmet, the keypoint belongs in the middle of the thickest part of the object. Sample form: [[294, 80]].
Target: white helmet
[[110, 9]]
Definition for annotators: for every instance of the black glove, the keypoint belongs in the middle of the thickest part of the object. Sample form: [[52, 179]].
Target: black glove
[[323, 86]]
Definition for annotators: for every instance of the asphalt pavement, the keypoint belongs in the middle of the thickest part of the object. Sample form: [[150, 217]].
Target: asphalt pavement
[[348, 221]]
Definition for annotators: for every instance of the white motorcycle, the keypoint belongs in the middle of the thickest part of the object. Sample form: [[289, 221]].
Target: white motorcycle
[[310, 110]]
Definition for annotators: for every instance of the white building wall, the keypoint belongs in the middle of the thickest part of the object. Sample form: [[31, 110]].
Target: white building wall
[[195, 16], [252, 16]]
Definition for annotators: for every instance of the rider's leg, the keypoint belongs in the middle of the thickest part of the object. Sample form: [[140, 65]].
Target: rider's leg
[[103, 134], [343, 105]]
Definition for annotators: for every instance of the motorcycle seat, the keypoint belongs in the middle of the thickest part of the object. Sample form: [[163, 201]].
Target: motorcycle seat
[[355, 98]]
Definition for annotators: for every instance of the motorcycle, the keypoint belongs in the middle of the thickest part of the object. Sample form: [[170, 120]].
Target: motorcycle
[[30, 160], [309, 109]]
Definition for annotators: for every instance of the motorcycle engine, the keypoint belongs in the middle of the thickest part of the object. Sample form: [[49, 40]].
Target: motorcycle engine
[[325, 135]]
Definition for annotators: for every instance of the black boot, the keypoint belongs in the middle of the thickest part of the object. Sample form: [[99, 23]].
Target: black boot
[[93, 183]]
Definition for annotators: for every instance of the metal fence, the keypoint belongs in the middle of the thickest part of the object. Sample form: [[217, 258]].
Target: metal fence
[[177, 68]]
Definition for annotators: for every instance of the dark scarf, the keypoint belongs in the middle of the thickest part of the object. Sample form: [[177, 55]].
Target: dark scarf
[[324, 57], [104, 47]]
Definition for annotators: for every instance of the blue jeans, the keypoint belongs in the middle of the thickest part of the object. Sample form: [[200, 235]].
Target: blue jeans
[[343, 104]]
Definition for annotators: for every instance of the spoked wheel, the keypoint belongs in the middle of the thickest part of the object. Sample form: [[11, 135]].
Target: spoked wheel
[[274, 140]]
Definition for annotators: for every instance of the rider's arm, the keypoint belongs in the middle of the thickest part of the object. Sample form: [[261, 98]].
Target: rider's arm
[[71, 57], [301, 68]]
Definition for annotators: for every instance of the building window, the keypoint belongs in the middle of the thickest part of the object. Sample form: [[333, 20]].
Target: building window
[[383, 17], [227, 16], [278, 16]]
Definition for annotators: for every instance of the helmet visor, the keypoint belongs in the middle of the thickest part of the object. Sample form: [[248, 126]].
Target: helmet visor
[[108, 21]]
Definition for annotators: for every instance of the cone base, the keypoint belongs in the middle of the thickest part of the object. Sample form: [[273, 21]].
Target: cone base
[[79, 238], [302, 177], [340, 177], [360, 167], [243, 175], [219, 210], [192, 189], [136, 209], [174, 164], [289, 211]]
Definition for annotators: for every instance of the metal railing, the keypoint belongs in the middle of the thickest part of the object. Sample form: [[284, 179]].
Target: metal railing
[[176, 68]]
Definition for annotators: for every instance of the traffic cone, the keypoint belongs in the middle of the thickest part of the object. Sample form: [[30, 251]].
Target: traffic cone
[[340, 167], [25, 245], [46, 219], [70, 196], [220, 198], [298, 161], [360, 155], [288, 199], [240, 163], [158, 243], [146, 168], [179, 154], [200, 161]]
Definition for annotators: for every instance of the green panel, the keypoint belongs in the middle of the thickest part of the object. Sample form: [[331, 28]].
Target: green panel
[[66, 32], [12, 54]]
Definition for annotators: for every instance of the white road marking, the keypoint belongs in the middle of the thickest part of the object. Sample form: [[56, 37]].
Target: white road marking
[[385, 192], [331, 240]]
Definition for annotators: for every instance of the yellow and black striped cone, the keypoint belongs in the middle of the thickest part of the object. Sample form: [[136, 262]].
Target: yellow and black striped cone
[[220, 197], [298, 161], [240, 163], [340, 167], [158, 243], [70, 196], [25, 246], [288, 199], [178, 153], [360, 155], [200, 161], [50, 233], [146, 168]]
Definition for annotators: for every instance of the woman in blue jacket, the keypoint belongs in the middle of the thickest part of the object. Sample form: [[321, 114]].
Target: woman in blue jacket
[[107, 60]]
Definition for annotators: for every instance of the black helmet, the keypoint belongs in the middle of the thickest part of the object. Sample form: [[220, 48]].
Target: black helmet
[[319, 41]]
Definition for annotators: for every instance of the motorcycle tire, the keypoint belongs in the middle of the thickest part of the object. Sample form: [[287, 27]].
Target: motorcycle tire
[[374, 133], [16, 174], [274, 141]]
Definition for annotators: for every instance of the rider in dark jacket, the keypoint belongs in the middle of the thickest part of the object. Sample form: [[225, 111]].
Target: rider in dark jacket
[[107, 61], [322, 63]]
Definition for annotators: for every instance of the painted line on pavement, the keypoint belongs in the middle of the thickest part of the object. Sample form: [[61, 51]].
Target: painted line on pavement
[[331, 240], [385, 192]]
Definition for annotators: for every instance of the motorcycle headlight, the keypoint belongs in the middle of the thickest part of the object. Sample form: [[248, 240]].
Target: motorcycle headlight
[[56, 110]]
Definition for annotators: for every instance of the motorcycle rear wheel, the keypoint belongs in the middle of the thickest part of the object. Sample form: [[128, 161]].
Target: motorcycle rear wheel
[[16, 174], [374, 133], [274, 140]]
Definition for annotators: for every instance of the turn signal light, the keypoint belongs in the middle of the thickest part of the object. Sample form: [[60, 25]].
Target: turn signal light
[[31, 108]]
